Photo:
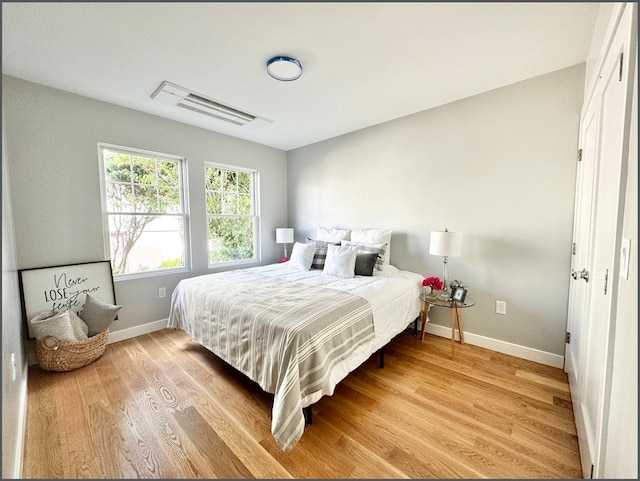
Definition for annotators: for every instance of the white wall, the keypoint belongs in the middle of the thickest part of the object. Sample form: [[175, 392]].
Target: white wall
[[14, 392], [498, 167], [53, 135]]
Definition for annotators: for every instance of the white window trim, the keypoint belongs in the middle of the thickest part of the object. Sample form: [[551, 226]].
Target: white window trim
[[257, 247], [186, 211]]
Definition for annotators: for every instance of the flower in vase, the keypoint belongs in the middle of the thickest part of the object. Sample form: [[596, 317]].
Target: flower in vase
[[433, 282]]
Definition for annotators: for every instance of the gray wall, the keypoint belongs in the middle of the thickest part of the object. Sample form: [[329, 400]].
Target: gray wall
[[53, 135], [498, 167]]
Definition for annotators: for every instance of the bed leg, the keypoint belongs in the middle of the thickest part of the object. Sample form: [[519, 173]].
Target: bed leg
[[381, 365], [415, 326], [308, 415]]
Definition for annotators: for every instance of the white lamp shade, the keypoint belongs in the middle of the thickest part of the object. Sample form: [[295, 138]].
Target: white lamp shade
[[284, 235], [445, 243]]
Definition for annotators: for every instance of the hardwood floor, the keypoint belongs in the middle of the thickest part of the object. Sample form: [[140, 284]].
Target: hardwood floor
[[161, 406]]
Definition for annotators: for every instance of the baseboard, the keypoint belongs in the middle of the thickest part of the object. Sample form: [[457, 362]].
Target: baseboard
[[22, 428], [122, 334], [516, 350]]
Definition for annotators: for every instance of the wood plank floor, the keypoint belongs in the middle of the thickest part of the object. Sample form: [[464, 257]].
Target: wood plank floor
[[161, 406]]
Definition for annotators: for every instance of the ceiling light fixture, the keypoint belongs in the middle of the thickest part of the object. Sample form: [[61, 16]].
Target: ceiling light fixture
[[284, 68]]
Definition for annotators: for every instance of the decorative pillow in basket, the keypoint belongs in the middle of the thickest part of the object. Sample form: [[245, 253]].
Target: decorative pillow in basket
[[65, 341]]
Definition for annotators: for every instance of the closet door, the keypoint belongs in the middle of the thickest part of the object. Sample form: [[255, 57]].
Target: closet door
[[597, 228]]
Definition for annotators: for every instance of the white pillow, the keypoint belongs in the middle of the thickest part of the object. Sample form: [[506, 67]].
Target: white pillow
[[341, 261], [332, 235], [301, 256], [363, 248], [80, 328], [59, 325], [374, 236]]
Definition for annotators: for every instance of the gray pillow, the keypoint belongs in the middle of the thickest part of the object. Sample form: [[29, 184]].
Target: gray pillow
[[320, 256], [98, 315], [365, 264]]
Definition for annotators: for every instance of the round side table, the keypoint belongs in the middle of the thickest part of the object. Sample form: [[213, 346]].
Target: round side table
[[456, 314]]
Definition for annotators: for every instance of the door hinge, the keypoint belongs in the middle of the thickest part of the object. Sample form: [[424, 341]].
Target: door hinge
[[579, 155], [620, 72], [568, 338], [606, 280], [573, 249]]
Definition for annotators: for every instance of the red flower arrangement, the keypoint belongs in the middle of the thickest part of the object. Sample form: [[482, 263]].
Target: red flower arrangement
[[433, 282]]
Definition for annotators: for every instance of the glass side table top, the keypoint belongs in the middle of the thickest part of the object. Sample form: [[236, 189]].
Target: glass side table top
[[434, 300]]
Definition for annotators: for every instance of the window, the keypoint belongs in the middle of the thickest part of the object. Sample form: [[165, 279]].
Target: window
[[144, 210], [232, 214]]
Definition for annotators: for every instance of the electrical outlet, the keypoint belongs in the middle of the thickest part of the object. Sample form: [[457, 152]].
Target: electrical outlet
[[14, 367], [501, 307], [162, 292]]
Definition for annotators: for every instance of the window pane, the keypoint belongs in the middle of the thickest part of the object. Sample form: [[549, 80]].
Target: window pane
[[119, 197], [230, 182], [145, 198], [244, 182], [230, 238], [213, 179], [231, 214], [168, 174], [159, 243], [214, 203], [245, 205], [140, 190], [144, 170], [117, 166], [169, 200], [230, 203]]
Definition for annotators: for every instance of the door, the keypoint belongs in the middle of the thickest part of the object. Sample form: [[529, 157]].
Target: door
[[578, 288], [595, 265]]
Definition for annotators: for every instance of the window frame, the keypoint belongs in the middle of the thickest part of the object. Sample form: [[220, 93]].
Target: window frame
[[184, 202], [257, 252]]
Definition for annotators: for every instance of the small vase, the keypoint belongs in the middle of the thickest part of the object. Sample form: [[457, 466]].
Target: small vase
[[426, 290]]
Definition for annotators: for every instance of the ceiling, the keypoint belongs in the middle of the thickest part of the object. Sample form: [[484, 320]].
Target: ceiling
[[363, 63]]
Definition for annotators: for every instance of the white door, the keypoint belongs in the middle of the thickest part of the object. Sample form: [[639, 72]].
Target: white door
[[595, 266]]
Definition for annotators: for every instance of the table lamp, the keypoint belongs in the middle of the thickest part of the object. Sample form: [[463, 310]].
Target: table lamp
[[284, 236], [446, 244]]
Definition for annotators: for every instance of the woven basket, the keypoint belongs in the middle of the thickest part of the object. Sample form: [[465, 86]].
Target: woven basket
[[54, 355]]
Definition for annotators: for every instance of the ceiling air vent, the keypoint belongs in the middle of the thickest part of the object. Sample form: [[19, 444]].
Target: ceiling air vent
[[173, 94]]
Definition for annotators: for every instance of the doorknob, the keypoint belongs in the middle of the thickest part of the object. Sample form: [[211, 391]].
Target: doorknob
[[583, 274]]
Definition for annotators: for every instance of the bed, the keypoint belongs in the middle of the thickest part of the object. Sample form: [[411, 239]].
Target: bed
[[297, 333]]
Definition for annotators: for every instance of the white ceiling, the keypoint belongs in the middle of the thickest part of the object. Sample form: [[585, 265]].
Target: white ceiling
[[363, 63]]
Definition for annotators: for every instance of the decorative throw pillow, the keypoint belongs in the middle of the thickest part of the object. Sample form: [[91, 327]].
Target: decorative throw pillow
[[301, 256], [321, 253], [365, 264], [363, 248], [80, 328], [374, 236], [98, 314], [55, 325], [341, 261], [332, 235]]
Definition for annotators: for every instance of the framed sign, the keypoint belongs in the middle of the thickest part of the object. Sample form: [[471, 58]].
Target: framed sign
[[58, 287]]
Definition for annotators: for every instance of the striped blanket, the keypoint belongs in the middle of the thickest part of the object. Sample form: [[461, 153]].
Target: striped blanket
[[284, 335]]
